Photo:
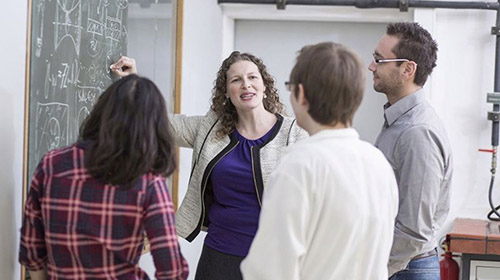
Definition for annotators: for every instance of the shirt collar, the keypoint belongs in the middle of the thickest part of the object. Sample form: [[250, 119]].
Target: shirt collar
[[337, 133], [396, 110]]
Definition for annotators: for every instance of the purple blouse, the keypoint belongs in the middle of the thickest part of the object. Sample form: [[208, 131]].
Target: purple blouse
[[234, 214]]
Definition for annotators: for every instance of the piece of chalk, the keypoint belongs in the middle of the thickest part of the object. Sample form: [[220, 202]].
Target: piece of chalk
[[112, 67]]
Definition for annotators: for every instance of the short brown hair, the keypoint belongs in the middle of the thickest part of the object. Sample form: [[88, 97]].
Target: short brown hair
[[415, 44], [224, 109], [333, 78]]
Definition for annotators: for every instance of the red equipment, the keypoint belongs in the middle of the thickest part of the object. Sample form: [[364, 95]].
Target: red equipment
[[448, 267]]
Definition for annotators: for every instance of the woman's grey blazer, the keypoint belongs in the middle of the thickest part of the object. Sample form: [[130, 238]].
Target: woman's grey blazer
[[199, 133]]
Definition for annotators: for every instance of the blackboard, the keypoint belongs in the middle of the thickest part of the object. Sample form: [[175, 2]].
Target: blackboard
[[72, 44]]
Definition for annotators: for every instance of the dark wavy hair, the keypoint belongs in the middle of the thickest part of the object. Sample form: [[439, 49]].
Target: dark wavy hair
[[416, 44], [129, 133], [224, 109]]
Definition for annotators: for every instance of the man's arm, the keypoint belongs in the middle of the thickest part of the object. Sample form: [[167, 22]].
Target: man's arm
[[420, 169], [280, 242]]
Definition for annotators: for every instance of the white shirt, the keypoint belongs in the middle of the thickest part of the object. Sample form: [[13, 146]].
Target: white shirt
[[328, 212]]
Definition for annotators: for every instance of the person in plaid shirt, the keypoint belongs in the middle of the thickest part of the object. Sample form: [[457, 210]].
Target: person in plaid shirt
[[89, 204]]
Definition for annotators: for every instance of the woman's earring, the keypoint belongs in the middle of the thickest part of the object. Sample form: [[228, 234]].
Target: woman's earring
[[225, 101], [265, 95]]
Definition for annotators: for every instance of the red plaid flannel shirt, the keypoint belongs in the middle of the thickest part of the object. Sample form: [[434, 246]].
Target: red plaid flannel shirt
[[80, 228]]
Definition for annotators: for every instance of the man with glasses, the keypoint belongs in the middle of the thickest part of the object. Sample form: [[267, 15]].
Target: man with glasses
[[414, 141], [329, 208]]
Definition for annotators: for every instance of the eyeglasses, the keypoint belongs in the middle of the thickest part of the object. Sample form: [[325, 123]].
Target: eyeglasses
[[288, 86], [385, 60]]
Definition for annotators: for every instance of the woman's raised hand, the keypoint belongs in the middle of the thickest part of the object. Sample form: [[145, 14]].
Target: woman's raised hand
[[124, 66]]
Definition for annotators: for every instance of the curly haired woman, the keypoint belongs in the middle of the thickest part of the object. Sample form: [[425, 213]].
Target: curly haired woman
[[235, 146]]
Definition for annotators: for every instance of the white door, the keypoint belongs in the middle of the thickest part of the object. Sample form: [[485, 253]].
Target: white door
[[277, 43]]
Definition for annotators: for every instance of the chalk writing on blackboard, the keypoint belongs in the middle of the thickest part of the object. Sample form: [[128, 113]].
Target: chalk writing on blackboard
[[51, 126], [73, 44]]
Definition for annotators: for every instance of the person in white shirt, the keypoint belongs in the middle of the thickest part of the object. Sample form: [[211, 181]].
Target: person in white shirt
[[328, 211]]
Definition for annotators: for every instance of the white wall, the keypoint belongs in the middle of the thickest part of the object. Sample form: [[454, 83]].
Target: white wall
[[279, 53], [202, 56], [150, 44], [459, 85], [12, 53], [457, 88]]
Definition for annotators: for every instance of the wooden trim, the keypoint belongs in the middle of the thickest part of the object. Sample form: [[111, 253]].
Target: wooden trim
[[178, 55], [179, 17], [26, 116]]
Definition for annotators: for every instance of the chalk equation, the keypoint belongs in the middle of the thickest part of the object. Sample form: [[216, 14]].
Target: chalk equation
[[68, 23], [38, 27], [51, 126], [73, 44]]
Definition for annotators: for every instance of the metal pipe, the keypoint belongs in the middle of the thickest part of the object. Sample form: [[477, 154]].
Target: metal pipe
[[497, 57], [496, 107], [365, 4]]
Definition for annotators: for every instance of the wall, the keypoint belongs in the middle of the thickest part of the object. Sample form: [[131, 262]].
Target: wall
[[202, 55], [12, 53], [150, 44], [457, 88], [279, 53], [460, 82]]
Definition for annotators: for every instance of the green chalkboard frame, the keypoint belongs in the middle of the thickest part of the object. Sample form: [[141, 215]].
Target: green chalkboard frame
[[178, 10]]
